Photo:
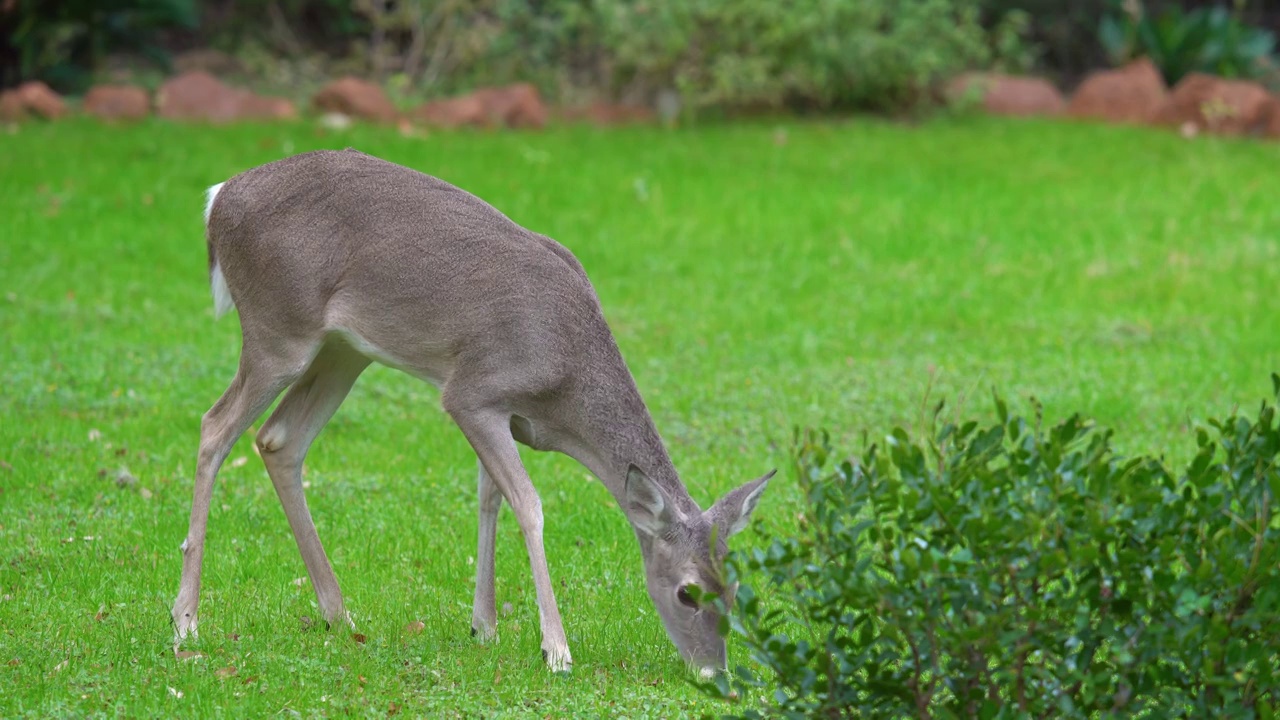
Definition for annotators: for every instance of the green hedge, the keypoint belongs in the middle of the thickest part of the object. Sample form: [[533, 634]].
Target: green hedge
[[868, 54], [857, 54], [1018, 570]]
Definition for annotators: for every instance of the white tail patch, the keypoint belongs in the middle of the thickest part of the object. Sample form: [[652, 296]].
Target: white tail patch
[[210, 195], [222, 302]]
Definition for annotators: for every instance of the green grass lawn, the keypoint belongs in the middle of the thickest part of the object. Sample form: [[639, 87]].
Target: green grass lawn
[[835, 274]]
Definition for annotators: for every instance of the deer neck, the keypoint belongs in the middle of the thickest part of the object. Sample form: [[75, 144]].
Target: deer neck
[[614, 431]]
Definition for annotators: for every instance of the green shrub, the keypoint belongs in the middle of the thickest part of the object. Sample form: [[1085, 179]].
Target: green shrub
[[1064, 34], [1017, 570], [856, 54], [878, 54], [714, 53], [867, 54], [62, 42], [286, 27], [1207, 39]]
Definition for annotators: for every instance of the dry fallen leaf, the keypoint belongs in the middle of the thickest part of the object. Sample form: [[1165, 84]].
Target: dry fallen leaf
[[145, 493], [359, 637], [14, 662], [95, 435], [124, 478], [61, 666], [188, 654], [415, 627], [306, 622], [176, 693], [225, 672]]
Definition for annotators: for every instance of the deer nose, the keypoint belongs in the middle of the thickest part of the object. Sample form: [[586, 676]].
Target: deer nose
[[712, 663]]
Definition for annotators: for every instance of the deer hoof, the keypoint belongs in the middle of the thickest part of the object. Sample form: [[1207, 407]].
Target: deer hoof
[[558, 661], [184, 624], [484, 635]]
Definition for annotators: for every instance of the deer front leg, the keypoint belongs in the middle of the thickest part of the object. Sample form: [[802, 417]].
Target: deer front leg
[[490, 435], [484, 613]]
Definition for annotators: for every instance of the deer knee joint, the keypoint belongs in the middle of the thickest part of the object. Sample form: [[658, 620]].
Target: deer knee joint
[[271, 438]]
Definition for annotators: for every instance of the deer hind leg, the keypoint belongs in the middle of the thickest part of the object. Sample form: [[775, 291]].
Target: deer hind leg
[[259, 379], [489, 433], [283, 442], [484, 613]]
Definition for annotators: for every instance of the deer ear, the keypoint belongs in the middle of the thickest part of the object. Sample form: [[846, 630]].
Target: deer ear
[[647, 505], [732, 512]]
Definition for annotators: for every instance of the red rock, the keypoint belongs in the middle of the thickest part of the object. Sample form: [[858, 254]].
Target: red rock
[[196, 95], [356, 98], [1131, 94], [199, 96], [41, 100], [1205, 103], [261, 107], [514, 106], [1011, 95], [31, 98], [1273, 120], [11, 107], [464, 111], [117, 102]]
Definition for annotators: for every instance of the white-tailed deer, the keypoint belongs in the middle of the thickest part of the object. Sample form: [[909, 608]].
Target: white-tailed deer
[[335, 259]]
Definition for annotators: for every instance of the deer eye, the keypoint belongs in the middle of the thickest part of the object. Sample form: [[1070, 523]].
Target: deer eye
[[682, 594]]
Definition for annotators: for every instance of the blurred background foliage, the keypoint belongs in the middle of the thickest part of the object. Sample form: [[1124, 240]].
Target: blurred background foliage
[[888, 55]]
